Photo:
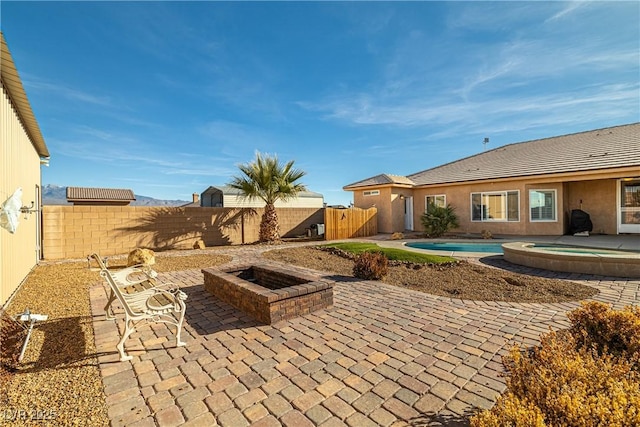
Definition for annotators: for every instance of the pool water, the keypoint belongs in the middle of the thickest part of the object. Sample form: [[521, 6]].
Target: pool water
[[580, 250], [495, 248]]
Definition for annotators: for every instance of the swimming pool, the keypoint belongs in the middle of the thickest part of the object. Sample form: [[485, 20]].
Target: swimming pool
[[494, 248]]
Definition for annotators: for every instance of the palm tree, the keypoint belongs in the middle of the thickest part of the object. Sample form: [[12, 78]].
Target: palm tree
[[267, 179]]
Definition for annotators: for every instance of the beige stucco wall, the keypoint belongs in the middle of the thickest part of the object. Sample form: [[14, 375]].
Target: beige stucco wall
[[19, 167], [596, 190], [385, 203], [77, 231], [598, 199]]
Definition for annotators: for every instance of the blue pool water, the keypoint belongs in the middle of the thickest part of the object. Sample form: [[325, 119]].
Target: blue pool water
[[495, 248], [581, 250]]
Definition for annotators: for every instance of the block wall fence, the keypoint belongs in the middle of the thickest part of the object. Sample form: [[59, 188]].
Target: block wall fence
[[71, 232]]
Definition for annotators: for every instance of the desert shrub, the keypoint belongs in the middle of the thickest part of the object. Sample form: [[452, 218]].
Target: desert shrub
[[486, 234], [12, 336], [371, 266], [437, 220], [565, 382], [510, 410], [597, 325]]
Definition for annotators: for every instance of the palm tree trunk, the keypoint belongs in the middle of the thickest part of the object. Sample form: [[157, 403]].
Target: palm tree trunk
[[269, 228]]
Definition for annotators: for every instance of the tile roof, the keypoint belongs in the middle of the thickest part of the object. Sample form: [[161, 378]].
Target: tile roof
[[613, 147], [381, 179], [99, 194]]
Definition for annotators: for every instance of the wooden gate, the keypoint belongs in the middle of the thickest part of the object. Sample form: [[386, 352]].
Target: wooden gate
[[352, 222]]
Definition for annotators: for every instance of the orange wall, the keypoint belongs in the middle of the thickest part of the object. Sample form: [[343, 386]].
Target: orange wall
[[382, 203], [598, 198], [77, 231]]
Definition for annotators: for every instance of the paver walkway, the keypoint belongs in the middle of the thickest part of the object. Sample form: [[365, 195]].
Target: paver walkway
[[381, 356]]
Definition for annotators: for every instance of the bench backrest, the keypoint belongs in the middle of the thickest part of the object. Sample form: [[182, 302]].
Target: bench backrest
[[114, 284]]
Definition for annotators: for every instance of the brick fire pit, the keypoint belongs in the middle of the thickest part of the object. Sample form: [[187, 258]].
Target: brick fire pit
[[268, 292]]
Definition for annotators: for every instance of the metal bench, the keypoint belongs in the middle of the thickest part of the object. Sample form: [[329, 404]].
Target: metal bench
[[142, 299]]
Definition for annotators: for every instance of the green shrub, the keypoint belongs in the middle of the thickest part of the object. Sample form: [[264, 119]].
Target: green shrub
[[371, 266], [437, 220], [567, 381]]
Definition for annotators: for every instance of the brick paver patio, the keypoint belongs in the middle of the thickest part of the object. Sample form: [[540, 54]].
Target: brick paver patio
[[382, 356]]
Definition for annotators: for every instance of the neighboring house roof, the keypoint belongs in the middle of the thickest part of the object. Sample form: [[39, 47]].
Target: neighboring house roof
[[225, 189], [614, 147], [381, 179], [82, 194], [13, 85], [191, 205]]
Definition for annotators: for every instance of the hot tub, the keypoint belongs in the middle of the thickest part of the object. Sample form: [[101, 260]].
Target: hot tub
[[604, 262]]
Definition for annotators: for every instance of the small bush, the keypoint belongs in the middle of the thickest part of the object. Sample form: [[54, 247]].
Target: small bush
[[486, 234], [596, 325], [371, 266], [437, 220], [572, 379]]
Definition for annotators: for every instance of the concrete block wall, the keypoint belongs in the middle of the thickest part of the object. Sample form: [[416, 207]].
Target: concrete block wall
[[71, 232]]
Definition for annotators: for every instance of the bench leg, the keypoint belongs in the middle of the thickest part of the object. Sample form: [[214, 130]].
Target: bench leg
[[107, 308], [179, 342], [128, 330]]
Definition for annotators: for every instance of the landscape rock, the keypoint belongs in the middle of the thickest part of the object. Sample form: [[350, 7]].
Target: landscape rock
[[141, 256]]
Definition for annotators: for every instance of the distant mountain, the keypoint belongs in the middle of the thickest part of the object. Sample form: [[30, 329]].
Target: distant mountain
[[56, 195], [150, 201]]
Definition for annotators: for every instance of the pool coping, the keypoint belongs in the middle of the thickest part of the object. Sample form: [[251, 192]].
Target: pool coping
[[604, 264]]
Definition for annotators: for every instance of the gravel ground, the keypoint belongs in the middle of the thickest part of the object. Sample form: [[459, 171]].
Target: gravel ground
[[58, 382], [463, 280]]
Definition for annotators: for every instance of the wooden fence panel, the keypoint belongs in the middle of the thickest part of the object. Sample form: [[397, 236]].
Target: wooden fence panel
[[348, 223]]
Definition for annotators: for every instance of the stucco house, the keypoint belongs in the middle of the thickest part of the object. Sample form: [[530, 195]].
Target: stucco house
[[226, 197], [22, 151], [526, 188]]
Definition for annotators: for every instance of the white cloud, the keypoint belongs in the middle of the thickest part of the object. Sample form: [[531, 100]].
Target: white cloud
[[570, 8], [33, 83]]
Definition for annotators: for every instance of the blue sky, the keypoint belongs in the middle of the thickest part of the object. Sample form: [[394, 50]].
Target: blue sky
[[166, 98]]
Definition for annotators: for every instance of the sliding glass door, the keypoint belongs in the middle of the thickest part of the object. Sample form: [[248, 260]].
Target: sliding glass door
[[629, 205]]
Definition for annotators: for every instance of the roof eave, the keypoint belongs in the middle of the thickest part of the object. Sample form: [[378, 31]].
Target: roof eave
[[11, 81], [352, 187], [559, 175]]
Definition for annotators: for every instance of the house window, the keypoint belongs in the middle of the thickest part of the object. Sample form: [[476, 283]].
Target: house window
[[439, 200], [371, 193], [496, 206], [542, 205]]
